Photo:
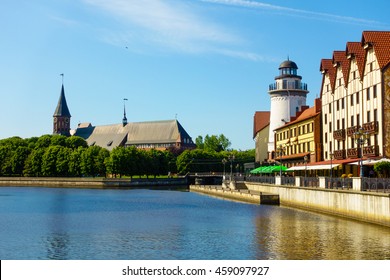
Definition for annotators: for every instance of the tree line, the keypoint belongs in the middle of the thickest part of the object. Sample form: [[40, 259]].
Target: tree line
[[61, 156]]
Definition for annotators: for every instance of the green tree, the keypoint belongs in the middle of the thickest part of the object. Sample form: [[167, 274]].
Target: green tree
[[75, 142], [33, 163], [215, 143], [382, 169], [18, 159], [49, 161], [75, 162], [92, 161]]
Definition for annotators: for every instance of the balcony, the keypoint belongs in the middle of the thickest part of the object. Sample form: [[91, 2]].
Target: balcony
[[371, 151], [287, 86], [353, 153], [340, 154], [339, 134], [371, 127], [351, 130]]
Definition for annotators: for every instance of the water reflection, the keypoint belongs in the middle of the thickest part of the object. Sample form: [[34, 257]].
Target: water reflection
[[287, 234]]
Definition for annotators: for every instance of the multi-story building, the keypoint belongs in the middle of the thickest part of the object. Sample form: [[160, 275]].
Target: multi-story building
[[355, 95], [299, 141], [260, 135]]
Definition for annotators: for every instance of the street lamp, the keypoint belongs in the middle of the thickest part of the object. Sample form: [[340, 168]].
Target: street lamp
[[361, 137], [331, 167], [224, 161], [231, 158], [280, 151], [305, 159]]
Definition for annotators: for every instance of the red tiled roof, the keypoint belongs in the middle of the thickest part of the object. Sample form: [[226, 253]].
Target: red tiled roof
[[327, 67], [260, 121], [380, 40], [340, 57], [306, 114], [355, 49]]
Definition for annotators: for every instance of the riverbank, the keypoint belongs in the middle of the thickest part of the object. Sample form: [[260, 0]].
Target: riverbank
[[95, 183]]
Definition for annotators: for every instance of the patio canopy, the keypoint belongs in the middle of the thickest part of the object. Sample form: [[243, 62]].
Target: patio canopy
[[313, 167], [371, 161], [269, 169]]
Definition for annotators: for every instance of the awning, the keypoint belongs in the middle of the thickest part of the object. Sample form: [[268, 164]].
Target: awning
[[322, 166], [313, 167]]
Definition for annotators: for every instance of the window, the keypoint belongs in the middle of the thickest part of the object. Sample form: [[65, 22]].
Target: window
[[326, 137], [342, 103], [338, 124], [354, 75], [375, 115], [352, 121], [343, 123], [326, 118], [368, 93], [368, 116], [330, 127], [358, 120], [357, 97], [374, 91], [351, 99], [337, 105], [330, 108]]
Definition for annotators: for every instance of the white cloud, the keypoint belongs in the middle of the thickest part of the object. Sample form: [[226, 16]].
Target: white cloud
[[298, 12], [166, 23]]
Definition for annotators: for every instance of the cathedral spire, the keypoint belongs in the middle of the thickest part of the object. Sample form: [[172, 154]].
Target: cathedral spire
[[61, 116], [124, 120]]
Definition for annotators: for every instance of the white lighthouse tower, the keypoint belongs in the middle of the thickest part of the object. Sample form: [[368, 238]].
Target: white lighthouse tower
[[288, 95]]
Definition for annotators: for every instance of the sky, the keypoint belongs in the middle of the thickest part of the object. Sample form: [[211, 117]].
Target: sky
[[207, 63]]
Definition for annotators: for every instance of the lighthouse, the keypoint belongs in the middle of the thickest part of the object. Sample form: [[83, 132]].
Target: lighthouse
[[288, 95]]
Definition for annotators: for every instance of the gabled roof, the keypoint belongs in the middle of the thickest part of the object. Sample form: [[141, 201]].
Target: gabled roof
[[62, 109], [261, 120], [380, 40], [340, 58], [327, 67], [356, 50]]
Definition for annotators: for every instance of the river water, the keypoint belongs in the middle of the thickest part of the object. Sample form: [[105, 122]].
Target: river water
[[57, 223]]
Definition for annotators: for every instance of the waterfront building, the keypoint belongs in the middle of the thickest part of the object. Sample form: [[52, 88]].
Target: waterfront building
[[298, 142], [61, 116], [159, 135], [261, 134], [288, 96], [354, 93]]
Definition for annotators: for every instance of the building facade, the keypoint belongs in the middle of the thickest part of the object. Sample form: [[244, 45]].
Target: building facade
[[260, 135], [299, 141], [355, 95]]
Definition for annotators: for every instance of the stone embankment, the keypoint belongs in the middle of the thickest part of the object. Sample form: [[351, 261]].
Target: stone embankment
[[95, 183]]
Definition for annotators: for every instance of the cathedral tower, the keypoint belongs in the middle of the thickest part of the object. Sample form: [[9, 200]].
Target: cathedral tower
[[61, 117], [288, 95]]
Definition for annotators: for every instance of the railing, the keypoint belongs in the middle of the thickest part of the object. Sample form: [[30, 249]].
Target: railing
[[338, 183], [371, 150], [288, 181], [376, 184], [353, 153], [292, 86], [339, 154], [312, 182], [371, 127], [339, 134], [351, 130], [261, 179]]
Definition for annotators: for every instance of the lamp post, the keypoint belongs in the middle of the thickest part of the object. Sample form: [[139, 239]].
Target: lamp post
[[331, 167], [361, 137], [305, 159], [280, 151], [224, 161], [231, 158]]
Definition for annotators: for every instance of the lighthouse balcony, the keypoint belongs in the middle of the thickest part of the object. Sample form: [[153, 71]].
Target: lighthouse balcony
[[288, 86]]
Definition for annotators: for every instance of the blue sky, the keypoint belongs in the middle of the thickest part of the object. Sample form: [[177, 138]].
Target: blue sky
[[207, 63]]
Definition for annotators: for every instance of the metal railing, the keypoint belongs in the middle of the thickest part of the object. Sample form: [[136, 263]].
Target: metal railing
[[312, 182], [338, 183], [288, 181], [262, 179], [376, 184]]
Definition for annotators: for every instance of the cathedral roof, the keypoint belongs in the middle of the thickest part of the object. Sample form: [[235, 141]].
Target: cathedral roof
[[62, 109], [137, 133]]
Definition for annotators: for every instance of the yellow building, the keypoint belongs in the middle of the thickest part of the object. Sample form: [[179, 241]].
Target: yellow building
[[299, 140]]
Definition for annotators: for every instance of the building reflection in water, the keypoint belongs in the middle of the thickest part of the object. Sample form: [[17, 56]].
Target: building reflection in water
[[288, 234]]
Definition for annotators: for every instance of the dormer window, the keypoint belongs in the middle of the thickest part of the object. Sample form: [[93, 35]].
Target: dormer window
[[109, 143]]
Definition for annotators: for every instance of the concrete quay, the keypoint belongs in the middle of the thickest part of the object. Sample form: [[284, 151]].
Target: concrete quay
[[359, 205], [243, 195]]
